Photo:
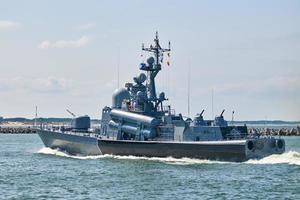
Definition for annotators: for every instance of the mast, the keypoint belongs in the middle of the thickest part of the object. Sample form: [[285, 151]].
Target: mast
[[189, 77], [118, 67], [35, 117], [212, 103], [155, 67]]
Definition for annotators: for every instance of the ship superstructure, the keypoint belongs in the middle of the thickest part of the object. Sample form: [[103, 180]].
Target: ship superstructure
[[138, 113]]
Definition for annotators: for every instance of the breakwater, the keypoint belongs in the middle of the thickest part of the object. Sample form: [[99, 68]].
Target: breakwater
[[264, 131], [16, 130], [251, 130]]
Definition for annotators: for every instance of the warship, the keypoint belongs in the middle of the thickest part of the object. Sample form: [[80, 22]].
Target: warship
[[140, 123]]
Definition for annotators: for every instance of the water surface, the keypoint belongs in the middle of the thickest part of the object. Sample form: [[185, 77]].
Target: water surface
[[30, 171]]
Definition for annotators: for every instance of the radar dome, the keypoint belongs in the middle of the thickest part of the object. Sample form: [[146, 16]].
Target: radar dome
[[162, 96], [150, 61], [142, 77], [119, 96]]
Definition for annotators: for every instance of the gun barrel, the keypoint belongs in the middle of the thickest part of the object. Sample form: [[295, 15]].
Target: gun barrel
[[202, 112], [222, 112]]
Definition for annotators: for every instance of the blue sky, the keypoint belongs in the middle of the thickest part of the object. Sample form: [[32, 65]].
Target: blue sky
[[64, 54]]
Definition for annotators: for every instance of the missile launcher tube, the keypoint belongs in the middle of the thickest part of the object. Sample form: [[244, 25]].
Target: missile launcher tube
[[133, 117], [132, 129], [133, 123]]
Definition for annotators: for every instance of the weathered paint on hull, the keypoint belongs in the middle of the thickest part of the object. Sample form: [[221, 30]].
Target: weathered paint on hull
[[73, 144]]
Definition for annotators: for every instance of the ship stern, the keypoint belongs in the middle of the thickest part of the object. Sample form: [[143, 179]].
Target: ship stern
[[262, 147]]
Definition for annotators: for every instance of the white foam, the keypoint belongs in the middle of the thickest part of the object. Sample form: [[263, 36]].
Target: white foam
[[167, 160], [291, 157], [58, 152], [171, 160]]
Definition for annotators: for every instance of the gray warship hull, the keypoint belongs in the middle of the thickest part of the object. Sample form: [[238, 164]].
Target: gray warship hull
[[231, 150], [235, 150]]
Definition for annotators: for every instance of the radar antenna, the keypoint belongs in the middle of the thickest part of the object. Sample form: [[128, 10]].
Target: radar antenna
[[154, 67], [189, 87]]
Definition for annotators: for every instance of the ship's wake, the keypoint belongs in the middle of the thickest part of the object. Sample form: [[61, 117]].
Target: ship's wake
[[168, 160], [171, 160], [291, 157], [58, 152]]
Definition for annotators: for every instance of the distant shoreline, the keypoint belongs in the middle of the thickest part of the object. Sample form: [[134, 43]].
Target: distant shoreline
[[21, 122], [252, 130]]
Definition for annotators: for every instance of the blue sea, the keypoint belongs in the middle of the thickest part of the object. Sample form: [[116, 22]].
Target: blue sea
[[28, 170]]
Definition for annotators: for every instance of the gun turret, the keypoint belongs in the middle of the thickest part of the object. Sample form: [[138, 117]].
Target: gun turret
[[219, 120], [198, 120]]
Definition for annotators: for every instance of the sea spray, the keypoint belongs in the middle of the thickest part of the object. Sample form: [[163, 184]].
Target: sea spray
[[58, 152], [291, 157], [167, 160]]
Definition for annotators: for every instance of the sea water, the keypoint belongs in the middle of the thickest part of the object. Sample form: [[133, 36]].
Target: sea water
[[28, 170]]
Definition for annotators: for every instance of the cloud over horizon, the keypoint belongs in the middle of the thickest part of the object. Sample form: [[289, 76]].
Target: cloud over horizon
[[6, 25], [61, 44], [37, 85]]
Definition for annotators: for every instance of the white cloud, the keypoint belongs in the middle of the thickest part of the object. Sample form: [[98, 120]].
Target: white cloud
[[51, 84], [87, 26], [45, 44], [60, 44], [8, 25], [36, 85]]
